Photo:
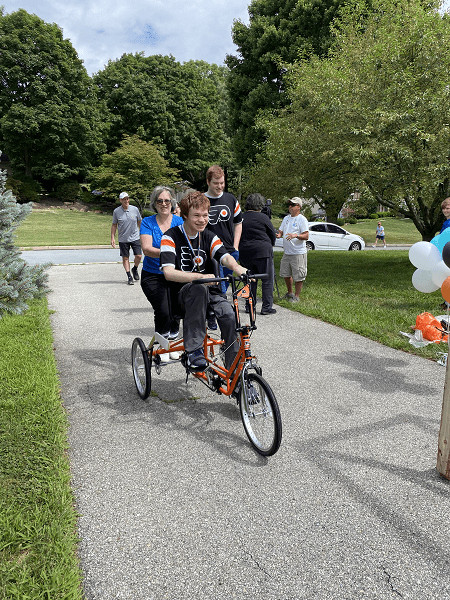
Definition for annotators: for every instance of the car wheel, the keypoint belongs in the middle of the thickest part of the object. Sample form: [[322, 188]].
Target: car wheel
[[355, 246], [309, 245]]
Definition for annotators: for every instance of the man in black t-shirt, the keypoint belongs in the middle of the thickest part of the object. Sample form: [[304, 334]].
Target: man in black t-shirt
[[225, 217], [186, 255], [225, 220]]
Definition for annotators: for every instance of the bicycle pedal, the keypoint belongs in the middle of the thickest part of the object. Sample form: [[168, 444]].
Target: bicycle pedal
[[162, 341]]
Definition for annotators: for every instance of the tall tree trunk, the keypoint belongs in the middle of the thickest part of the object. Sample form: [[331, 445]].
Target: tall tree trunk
[[27, 163]]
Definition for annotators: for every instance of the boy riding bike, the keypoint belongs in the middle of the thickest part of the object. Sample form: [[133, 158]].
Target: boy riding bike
[[186, 255]]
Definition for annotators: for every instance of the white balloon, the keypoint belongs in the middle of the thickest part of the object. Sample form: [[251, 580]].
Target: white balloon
[[422, 281], [440, 273], [424, 255]]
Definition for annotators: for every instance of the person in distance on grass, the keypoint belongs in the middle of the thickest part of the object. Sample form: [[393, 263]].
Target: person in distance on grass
[[445, 207], [186, 255], [380, 234], [267, 209], [294, 231], [127, 219]]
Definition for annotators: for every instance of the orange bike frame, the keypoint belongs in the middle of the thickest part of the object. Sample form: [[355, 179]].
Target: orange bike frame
[[229, 377]]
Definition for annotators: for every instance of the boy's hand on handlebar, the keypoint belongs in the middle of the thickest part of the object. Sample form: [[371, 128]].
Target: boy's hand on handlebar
[[239, 270], [246, 276], [209, 276]]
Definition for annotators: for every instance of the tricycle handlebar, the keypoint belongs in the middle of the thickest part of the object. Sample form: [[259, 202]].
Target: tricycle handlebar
[[246, 277]]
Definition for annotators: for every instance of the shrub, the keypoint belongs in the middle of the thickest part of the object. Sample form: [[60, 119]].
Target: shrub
[[69, 191], [19, 282], [24, 188], [353, 221], [373, 216], [340, 222], [86, 197]]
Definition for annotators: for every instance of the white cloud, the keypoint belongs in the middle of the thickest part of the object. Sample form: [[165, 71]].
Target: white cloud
[[106, 29]]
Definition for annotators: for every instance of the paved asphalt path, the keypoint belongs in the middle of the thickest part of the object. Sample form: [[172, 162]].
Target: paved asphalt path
[[174, 503], [68, 256]]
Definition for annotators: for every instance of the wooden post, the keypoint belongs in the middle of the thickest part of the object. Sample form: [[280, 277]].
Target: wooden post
[[443, 458]]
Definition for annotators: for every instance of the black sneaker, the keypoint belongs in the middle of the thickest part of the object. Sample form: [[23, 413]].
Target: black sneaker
[[196, 360], [130, 281], [173, 335], [212, 323], [135, 273], [268, 311]]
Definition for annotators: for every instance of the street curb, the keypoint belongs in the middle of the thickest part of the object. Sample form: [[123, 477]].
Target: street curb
[[99, 247]]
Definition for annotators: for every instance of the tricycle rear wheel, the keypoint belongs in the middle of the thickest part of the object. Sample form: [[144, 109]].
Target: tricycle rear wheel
[[141, 367]]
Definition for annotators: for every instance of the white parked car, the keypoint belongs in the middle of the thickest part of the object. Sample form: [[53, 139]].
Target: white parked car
[[328, 236]]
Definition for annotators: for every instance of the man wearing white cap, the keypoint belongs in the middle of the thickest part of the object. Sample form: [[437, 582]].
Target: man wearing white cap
[[127, 219], [294, 230]]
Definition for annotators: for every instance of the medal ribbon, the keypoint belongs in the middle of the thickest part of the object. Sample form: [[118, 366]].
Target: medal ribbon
[[196, 260]]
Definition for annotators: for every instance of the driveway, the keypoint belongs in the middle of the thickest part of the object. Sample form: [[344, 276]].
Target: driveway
[[175, 504]]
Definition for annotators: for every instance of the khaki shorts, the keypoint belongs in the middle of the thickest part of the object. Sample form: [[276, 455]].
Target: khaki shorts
[[294, 265]]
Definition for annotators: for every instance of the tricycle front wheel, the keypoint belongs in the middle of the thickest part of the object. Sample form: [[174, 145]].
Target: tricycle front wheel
[[260, 414]]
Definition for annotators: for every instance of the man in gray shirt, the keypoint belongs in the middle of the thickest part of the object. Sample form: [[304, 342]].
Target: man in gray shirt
[[127, 219]]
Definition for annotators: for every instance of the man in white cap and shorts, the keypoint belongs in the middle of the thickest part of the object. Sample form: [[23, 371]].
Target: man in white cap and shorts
[[294, 230], [127, 219]]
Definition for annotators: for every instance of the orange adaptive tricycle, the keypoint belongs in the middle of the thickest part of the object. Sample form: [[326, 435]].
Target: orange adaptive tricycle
[[243, 380]]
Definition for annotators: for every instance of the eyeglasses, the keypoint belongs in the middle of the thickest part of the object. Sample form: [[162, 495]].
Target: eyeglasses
[[163, 201], [290, 204]]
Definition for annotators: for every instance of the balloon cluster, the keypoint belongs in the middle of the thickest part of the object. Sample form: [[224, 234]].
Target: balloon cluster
[[432, 260]]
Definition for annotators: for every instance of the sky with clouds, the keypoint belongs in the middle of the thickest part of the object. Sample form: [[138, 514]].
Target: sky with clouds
[[106, 29]]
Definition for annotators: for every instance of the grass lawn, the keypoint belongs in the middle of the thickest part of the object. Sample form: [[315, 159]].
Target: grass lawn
[[58, 227], [369, 293], [38, 538], [398, 231], [61, 227]]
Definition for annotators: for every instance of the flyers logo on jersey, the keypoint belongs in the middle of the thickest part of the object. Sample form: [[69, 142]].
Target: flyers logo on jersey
[[187, 259], [217, 213]]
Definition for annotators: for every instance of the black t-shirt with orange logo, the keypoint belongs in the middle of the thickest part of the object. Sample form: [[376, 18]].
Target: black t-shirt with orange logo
[[224, 214], [187, 254]]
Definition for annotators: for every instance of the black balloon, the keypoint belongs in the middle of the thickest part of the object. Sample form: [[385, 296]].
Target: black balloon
[[446, 254]]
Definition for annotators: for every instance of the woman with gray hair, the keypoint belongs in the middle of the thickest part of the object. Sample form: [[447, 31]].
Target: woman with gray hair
[[256, 248], [153, 282]]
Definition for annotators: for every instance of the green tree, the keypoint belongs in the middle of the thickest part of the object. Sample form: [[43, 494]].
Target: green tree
[[19, 282], [49, 116], [179, 107], [278, 33], [136, 167], [375, 114]]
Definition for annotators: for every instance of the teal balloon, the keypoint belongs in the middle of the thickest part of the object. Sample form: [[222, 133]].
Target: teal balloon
[[441, 239]]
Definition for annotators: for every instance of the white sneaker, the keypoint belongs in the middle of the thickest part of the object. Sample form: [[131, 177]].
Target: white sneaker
[[175, 355], [165, 358]]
